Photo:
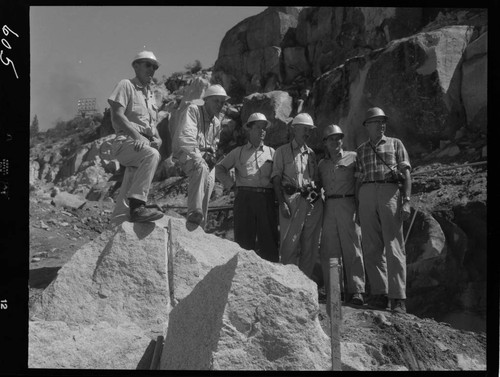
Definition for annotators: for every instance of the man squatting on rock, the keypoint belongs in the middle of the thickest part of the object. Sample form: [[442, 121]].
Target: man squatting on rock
[[341, 236], [383, 206], [255, 223], [194, 145], [134, 115], [294, 177]]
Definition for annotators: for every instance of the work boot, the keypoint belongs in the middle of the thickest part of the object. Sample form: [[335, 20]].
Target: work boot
[[379, 302], [398, 306], [195, 217], [357, 299], [142, 214]]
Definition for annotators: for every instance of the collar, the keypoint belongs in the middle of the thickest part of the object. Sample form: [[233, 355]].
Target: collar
[[250, 146], [339, 155], [138, 84], [303, 149], [382, 139]]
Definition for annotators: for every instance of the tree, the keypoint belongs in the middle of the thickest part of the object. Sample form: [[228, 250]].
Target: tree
[[34, 128], [194, 67]]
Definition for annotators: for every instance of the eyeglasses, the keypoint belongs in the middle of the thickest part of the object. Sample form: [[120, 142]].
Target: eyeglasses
[[375, 122], [148, 64]]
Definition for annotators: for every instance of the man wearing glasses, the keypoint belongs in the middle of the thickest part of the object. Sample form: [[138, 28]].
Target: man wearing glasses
[[134, 116], [382, 167], [194, 145]]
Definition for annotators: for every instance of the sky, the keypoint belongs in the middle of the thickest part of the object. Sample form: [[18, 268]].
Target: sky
[[83, 51]]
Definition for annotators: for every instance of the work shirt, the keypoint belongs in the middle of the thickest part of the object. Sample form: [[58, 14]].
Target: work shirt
[[195, 130], [337, 177], [253, 166], [371, 168], [139, 103], [295, 165]]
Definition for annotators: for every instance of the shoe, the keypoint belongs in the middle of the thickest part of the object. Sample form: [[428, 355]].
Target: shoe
[[195, 217], [398, 306], [357, 299], [142, 214], [379, 302]]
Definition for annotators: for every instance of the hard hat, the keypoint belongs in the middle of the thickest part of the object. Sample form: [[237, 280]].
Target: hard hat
[[304, 119], [255, 117], [146, 55], [374, 112], [215, 90], [332, 129]]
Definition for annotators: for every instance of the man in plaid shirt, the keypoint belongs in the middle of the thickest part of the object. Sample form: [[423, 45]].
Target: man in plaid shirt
[[382, 208]]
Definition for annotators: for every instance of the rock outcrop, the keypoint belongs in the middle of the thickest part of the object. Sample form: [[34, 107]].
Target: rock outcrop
[[223, 295]]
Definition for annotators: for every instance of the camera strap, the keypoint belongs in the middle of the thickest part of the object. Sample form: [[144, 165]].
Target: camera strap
[[380, 158]]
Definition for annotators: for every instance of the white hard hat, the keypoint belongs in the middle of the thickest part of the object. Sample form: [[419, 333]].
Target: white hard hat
[[255, 117], [215, 90], [146, 55], [304, 119], [332, 129]]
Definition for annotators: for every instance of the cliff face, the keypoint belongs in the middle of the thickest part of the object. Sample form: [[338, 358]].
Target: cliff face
[[426, 67]]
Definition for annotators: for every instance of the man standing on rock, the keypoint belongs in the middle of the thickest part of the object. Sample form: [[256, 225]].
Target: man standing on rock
[[341, 236], [383, 165], [133, 116], [255, 223], [194, 145], [294, 177]]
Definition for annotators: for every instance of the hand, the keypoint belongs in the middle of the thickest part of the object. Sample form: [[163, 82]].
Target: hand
[[139, 144], [405, 211], [156, 143], [285, 210]]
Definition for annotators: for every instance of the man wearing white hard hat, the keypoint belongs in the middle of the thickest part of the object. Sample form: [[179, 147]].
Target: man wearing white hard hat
[[134, 115], [384, 188], [194, 145], [295, 174], [341, 236], [255, 222]]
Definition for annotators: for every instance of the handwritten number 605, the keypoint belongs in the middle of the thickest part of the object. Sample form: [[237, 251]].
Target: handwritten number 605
[[6, 31]]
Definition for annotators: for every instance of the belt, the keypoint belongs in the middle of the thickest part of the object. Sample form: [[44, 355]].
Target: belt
[[381, 181], [340, 196], [254, 189]]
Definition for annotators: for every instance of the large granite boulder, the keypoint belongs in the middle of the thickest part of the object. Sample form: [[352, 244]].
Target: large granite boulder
[[115, 296], [248, 314]]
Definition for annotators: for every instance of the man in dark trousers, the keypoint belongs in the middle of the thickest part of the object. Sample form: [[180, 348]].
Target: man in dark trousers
[[255, 222], [383, 165]]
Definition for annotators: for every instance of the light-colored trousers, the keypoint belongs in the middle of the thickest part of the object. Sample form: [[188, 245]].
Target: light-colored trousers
[[382, 235], [300, 234], [141, 167], [341, 237], [200, 187]]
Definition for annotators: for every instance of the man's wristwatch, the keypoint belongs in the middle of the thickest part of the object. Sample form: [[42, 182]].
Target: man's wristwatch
[[406, 199]]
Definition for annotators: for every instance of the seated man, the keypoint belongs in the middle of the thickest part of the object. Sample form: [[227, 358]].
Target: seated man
[[133, 116], [194, 145]]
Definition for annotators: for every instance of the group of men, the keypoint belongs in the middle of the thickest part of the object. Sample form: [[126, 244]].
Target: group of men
[[349, 205]]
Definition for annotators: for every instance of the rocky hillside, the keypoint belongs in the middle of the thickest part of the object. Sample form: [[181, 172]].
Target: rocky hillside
[[425, 67]]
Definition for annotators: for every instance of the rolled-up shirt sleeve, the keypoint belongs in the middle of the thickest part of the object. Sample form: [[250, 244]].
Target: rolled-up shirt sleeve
[[188, 131], [402, 155], [223, 167], [278, 166]]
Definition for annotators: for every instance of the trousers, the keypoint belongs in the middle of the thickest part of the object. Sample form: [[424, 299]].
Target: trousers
[[341, 238], [256, 223], [140, 169], [200, 186], [300, 234], [382, 236]]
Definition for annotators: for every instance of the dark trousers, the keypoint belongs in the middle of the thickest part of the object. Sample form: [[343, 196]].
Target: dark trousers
[[256, 224]]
